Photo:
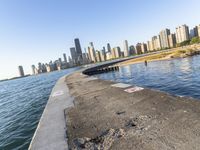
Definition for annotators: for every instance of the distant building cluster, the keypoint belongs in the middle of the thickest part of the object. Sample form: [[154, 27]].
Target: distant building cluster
[[77, 58], [164, 40]]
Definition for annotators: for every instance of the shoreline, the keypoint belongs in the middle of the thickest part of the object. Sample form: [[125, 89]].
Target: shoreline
[[109, 117], [160, 55]]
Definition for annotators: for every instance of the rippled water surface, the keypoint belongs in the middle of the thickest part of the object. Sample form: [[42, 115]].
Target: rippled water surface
[[22, 102], [177, 76]]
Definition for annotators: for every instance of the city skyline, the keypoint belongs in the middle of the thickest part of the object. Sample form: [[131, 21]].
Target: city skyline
[[183, 35], [17, 48]]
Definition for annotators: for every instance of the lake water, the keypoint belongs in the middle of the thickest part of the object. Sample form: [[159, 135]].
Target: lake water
[[22, 102], [177, 76]]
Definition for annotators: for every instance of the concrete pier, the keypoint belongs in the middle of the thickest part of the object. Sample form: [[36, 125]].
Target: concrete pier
[[119, 116], [51, 131]]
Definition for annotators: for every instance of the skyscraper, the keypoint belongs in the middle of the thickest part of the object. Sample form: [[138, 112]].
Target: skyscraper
[[164, 38], [91, 52], [198, 30], [156, 42], [73, 55], [78, 49], [85, 58], [194, 32], [132, 50], [103, 54], [150, 46], [21, 71], [138, 48], [172, 40], [113, 53], [70, 61], [117, 52], [108, 47], [65, 58], [60, 60], [182, 33], [144, 47], [98, 56], [126, 51]]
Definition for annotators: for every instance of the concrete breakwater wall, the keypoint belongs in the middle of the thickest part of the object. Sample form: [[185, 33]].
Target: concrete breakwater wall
[[51, 131], [105, 67], [103, 70]]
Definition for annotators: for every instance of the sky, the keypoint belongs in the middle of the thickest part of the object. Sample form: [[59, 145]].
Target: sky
[[33, 31]]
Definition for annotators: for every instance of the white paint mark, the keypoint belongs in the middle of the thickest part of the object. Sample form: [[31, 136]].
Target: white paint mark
[[134, 89], [57, 93], [121, 85], [91, 78]]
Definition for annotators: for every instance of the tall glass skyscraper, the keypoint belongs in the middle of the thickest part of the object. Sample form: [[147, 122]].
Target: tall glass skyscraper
[[78, 48]]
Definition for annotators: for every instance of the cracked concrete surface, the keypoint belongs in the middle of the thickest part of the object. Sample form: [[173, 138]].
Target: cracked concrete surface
[[149, 119]]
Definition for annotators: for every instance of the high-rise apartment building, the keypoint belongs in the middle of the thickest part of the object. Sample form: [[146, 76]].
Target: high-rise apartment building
[[194, 32], [156, 42], [91, 52], [113, 53], [21, 71], [198, 30], [144, 47], [103, 55], [108, 55], [70, 61], [182, 33], [74, 55], [98, 57], [65, 58], [104, 49], [172, 40], [132, 50], [117, 52], [164, 42], [85, 58], [138, 48], [108, 47], [126, 50], [150, 46], [49, 67], [60, 60]]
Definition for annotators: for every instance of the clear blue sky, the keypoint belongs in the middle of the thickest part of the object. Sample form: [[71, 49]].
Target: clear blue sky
[[33, 31]]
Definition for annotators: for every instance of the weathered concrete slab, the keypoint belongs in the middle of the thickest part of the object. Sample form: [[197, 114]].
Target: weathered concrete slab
[[51, 131], [91, 78], [121, 85], [106, 117]]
